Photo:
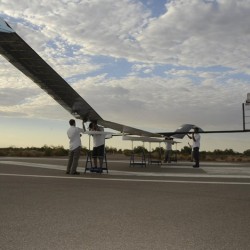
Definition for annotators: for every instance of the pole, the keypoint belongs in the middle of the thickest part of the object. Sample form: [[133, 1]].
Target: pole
[[243, 114]]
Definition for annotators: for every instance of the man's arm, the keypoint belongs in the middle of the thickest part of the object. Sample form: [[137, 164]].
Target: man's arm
[[83, 126], [81, 130], [194, 137]]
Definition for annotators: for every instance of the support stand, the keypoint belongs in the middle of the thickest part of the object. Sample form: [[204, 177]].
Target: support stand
[[154, 161], [89, 161], [141, 163], [89, 166]]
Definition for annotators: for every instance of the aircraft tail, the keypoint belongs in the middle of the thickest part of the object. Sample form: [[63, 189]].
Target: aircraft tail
[[181, 131]]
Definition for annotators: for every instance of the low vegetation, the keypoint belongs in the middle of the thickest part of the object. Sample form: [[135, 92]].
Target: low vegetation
[[158, 153]]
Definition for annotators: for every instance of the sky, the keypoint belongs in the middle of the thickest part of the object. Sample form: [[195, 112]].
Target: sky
[[149, 64]]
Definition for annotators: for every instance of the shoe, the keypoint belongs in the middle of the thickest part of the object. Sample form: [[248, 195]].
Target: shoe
[[67, 172], [195, 166], [76, 173]]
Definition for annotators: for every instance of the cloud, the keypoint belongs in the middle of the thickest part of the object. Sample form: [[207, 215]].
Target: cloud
[[190, 33], [99, 27], [200, 33], [11, 96], [145, 68]]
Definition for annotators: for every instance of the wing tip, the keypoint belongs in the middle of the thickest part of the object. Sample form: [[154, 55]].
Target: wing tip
[[5, 27]]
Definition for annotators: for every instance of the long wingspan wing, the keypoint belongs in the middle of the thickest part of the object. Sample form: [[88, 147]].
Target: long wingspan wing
[[126, 129], [23, 57], [141, 138]]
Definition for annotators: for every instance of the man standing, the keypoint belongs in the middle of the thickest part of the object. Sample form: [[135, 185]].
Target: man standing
[[196, 146], [168, 142], [98, 146], [74, 134]]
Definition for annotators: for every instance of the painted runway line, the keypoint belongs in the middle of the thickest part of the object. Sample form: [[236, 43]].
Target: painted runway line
[[210, 172], [126, 180]]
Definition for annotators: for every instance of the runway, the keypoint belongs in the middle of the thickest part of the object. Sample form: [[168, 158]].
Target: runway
[[168, 207]]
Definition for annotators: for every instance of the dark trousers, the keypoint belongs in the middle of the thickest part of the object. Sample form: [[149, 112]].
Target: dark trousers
[[168, 156], [74, 156], [196, 156]]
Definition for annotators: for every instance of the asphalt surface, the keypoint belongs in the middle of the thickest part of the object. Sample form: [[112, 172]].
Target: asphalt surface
[[157, 207]]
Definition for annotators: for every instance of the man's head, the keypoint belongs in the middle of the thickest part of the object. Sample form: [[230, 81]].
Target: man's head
[[168, 138], [196, 129], [93, 125], [72, 122]]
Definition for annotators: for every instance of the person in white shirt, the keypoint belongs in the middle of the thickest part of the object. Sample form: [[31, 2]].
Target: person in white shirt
[[98, 146], [196, 146], [168, 143], [74, 135]]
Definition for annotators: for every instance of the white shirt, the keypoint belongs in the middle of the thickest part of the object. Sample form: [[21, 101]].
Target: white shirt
[[74, 137], [196, 142], [99, 140], [169, 145]]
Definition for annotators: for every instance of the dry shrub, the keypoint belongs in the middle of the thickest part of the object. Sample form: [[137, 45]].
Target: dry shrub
[[31, 153]]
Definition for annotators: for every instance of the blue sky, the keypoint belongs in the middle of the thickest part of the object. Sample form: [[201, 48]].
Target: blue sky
[[149, 64]]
